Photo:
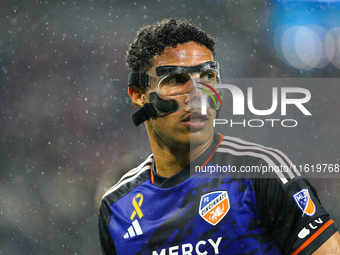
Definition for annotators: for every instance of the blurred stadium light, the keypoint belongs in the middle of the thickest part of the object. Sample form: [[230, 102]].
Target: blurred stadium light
[[307, 33]]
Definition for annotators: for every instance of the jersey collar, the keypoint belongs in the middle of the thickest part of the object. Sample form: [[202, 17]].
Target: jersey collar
[[184, 174]]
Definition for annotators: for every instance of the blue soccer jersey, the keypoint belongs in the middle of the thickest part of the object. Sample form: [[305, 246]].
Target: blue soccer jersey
[[238, 211]]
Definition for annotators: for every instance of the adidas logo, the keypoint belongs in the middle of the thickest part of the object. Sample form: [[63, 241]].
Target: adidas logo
[[133, 230]]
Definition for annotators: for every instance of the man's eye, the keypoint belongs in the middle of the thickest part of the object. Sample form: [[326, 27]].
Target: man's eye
[[176, 80], [207, 77]]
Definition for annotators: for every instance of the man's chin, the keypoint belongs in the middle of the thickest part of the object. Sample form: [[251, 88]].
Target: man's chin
[[199, 137]]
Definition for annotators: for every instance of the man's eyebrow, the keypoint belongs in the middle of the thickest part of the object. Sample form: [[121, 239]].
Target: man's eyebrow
[[170, 70]]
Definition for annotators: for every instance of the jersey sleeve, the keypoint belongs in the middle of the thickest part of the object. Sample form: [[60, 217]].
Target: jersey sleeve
[[293, 215], [106, 242]]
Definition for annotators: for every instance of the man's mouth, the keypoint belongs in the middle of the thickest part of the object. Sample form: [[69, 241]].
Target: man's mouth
[[195, 120]]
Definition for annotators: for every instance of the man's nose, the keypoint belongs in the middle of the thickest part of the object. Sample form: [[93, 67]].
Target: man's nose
[[194, 87]]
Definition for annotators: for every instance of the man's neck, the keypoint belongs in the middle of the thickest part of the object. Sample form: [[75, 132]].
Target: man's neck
[[170, 161]]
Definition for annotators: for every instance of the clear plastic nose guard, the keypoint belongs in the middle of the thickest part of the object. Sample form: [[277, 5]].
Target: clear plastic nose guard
[[179, 80], [179, 87], [189, 93], [194, 82]]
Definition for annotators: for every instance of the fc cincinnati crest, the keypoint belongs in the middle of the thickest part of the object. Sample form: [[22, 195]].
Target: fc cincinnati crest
[[304, 202], [214, 206]]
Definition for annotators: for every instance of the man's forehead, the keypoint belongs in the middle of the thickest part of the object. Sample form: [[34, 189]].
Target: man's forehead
[[188, 54]]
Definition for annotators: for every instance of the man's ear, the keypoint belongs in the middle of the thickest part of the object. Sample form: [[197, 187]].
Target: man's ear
[[137, 96]]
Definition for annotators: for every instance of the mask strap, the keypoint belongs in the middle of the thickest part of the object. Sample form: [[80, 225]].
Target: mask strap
[[146, 112], [139, 78], [151, 110]]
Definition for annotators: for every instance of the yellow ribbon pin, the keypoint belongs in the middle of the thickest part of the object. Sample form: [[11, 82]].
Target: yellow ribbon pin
[[137, 206]]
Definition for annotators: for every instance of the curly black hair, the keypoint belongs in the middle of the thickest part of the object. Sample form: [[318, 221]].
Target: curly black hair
[[151, 40]]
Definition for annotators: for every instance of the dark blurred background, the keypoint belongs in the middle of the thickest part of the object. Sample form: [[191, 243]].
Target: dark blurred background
[[66, 132]]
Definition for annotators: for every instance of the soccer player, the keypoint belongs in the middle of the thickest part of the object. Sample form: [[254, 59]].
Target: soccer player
[[159, 208]]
